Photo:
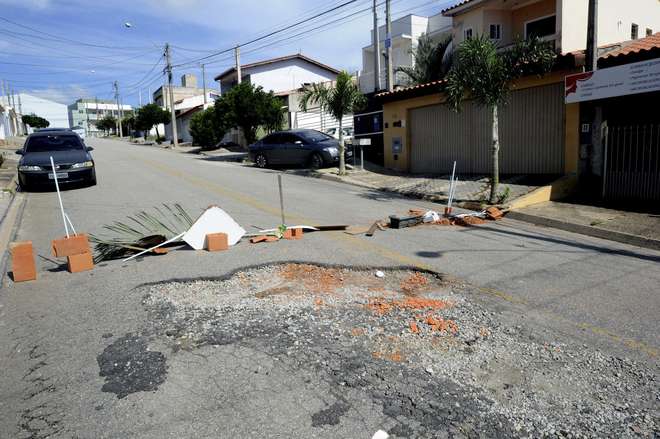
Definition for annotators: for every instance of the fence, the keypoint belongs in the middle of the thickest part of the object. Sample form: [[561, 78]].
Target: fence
[[632, 163]]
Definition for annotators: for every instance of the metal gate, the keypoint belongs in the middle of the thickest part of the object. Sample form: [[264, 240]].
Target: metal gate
[[632, 163], [531, 135]]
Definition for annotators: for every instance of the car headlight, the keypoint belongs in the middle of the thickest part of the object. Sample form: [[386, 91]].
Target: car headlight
[[29, 168], [82, 165], [332, 150]]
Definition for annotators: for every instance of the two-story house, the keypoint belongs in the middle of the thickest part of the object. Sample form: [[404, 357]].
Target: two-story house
[[563, 22], [406, 32], [285, 77]]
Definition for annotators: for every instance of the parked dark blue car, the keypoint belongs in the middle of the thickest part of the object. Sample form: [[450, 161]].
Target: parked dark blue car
[[73, 162], [296, 147]]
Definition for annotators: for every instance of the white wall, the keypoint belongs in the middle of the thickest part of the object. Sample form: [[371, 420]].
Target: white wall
[[615, 19], [54, 112], [288, 75]]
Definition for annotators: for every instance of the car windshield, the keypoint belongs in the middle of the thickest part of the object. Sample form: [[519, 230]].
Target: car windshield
[[314, 136], [55, 142]]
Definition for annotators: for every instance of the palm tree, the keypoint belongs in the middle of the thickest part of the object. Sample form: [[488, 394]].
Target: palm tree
[[432, 61], [483, 73], [344, 98]]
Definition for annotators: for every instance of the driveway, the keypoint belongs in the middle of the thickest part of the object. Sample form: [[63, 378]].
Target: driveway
[[70, 343]]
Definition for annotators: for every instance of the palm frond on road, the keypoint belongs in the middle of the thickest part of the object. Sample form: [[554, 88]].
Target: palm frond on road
[[142, 230]]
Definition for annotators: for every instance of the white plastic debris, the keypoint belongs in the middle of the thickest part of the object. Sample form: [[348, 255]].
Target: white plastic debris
[[213, 220], [380, 434], [380, 274], [431, 216]]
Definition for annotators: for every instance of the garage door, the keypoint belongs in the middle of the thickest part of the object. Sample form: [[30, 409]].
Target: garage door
[[531, 135]]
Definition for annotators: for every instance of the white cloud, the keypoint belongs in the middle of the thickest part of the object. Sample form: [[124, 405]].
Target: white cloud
[[62, 94], [29, 4]]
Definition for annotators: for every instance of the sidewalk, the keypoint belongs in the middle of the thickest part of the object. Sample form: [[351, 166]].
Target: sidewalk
[[640, 229], [8, 174], [470, 190]]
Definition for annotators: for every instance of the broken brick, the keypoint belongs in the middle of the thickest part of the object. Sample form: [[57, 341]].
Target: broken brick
[[414, 328], [23, 265], [80, 262], [217, 242], [73, 245], [263, 238], [494, 213], [160, 251]]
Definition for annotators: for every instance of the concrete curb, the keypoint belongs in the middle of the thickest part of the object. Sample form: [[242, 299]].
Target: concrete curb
[[596, 232]]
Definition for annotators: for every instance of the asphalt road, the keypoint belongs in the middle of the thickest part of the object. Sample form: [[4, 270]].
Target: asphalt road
[[586, 291]]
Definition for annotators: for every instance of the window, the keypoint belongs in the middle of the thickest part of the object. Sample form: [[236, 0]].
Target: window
[[495, 32], [634, 32], [272, 139], [467, 33], [649, 32], [543, 27]]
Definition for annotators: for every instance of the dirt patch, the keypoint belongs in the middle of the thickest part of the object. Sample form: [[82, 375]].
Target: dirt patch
[[414, 283], [438, 363], [129, 367]]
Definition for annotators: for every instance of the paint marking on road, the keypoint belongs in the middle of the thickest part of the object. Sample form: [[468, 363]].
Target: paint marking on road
[[364, 245]]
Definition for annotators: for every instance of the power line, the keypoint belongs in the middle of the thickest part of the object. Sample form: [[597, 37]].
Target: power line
[[68, 40], [254, 40]]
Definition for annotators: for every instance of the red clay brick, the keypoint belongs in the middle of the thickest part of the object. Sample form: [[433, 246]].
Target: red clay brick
[[217, 242], [264, 238], [288, 234], [297, 233], [23, 265], [494, 213], [80, 262], [160, 251], [73, 245]]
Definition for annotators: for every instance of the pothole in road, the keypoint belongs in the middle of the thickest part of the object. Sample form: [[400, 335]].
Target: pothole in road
[[129, 367], [436, 361]]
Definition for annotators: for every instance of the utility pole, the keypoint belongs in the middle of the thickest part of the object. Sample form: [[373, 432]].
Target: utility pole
[[121, 133], [592, 37], [151, 99], [388, 45], [20, 106], [168, 68], [139, 98], [376, 51], [13, 98], [237, 53], [204, 83]]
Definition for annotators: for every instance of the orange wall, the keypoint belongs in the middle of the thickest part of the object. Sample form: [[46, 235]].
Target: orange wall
[[527, 13]]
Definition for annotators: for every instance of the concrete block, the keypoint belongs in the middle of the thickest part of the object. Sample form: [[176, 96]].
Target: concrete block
[[80, 262], [73, 245], [23, 265], [217, 242]]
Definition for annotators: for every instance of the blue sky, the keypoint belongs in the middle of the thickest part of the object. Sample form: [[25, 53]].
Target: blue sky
[[76, 48]]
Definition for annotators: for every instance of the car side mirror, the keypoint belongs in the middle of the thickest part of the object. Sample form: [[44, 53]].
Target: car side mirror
[[19, 152], [89, 148]]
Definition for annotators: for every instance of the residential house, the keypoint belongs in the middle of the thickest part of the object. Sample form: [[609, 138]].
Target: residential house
[[279, 74], [184, 110], [87, 112], [285, 77], [406, 32], [563, 22], [54, 112], [187, 89]]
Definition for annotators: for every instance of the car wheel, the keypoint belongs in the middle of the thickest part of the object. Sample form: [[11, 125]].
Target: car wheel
[[260, 161], [316, 161]]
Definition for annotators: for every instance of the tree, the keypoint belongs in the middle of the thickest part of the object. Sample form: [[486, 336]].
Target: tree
[[344, 98], [432, 61], [247, 107], [128, 122], [149, 116], [35, 121], [107, 123], [202, 129], [483, 73]]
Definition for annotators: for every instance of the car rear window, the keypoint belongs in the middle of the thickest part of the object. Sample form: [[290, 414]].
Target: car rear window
[[53, 143]]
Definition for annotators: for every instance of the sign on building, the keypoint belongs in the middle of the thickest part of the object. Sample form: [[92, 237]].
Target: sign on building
[[640, 77]]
